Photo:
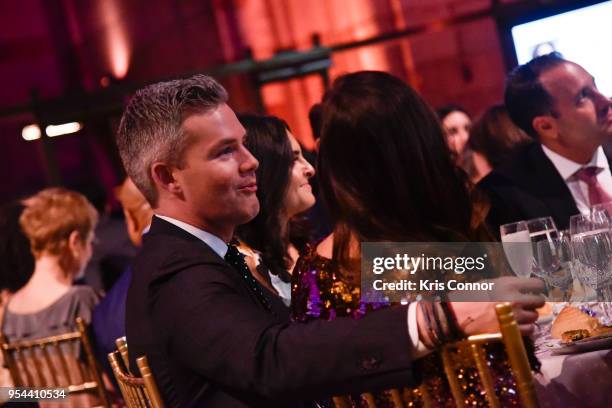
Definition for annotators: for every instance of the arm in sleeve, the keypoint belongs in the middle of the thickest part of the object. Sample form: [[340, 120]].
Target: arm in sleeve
[[233, 342]]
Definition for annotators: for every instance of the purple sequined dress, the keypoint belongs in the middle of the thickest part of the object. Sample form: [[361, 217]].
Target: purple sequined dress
[[319, 291]]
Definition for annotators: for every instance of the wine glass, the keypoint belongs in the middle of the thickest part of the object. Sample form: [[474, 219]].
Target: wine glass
[[602, 212], [592, 252], [551, 258], [517, 247]]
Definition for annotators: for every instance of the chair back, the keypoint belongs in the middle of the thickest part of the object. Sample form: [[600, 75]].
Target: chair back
[[122, 348], [138, 392], [50, 362], [466, 367], [466, 360]]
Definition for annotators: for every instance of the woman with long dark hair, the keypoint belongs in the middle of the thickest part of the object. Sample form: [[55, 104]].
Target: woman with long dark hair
[[387, 175], [273, 239], [457, 123], [378, 130], [494, 138]]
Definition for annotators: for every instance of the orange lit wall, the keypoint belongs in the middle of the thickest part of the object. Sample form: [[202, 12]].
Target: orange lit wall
[[459, 63]]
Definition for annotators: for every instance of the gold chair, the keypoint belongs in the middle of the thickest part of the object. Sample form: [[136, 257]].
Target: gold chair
[[457, 355], [122, 348], [468, 358], [45, 363], [138, 392]]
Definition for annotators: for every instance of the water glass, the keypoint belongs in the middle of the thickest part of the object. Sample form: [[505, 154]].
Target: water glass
[[552, 260], [592, 252], [516, 243]]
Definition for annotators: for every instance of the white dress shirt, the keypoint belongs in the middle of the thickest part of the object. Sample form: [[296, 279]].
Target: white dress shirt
[[209, 239], [283, 288], [418, 348], [579, 189]]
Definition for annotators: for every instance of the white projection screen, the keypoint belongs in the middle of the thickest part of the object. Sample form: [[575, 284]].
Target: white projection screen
[[582, 35]]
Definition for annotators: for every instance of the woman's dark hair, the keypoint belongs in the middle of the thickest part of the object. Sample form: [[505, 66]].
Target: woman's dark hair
[[495, 136], [463, 159], [267, 140], [446, 110], [16, 259], [314, 117], [386, 172]]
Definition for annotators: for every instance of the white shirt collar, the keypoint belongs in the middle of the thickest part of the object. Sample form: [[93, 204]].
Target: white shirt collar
[[567, 168], [209, 239]]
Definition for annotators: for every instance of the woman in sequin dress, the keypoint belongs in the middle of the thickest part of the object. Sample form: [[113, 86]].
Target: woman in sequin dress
[[272, 240], [386, 174]]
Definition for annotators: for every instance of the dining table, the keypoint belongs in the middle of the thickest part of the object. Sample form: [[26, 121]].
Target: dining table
[[582, 378]]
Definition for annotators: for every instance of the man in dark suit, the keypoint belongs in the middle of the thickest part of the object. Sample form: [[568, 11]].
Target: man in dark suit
[[108, 318], [213, 335], [566, 170]]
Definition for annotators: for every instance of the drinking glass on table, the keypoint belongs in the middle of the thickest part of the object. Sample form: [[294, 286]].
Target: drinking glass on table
[[579, 290], [551, 257], [517, 247], [592, 252], [602, 212]]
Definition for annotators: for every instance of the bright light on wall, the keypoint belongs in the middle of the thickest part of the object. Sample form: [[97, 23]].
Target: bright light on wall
[[30, 132], [117, 42], [63, 129]]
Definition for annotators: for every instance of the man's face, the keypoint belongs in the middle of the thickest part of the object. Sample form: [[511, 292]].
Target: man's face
[[218, 173], [583, 116]]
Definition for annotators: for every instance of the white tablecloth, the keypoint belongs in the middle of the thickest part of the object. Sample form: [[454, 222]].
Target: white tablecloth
[[581, 380]]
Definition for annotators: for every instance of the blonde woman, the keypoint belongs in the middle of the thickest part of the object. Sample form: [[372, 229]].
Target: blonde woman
[[59, 225]]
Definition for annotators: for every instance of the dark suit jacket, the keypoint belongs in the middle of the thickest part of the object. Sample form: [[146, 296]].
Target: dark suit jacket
[[108, 320], [528, 186], [211, 343]]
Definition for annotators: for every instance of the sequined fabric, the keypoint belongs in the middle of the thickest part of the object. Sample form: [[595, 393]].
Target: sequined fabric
[[320, 291]]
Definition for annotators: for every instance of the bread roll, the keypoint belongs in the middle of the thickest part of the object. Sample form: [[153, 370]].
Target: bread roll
[[571, 319], [574, 335]]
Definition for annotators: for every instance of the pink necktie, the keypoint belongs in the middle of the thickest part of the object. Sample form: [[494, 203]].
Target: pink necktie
[[597, 195]]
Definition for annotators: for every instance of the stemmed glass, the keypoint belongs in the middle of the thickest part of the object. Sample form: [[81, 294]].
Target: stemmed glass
[[516, 243], [551, 256], [592, 252], [602, 214]]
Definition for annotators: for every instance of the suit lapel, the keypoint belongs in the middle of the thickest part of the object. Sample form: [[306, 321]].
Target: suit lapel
[[162, 227], [534, 173], [607, 148], [554, 191], [551, 187]]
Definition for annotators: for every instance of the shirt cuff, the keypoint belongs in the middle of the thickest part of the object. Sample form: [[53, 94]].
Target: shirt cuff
[[418, 348]]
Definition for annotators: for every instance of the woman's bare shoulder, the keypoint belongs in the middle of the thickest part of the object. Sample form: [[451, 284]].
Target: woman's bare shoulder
[[325, 248]]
